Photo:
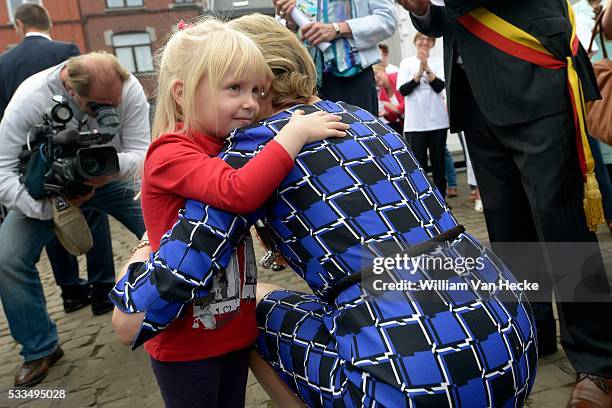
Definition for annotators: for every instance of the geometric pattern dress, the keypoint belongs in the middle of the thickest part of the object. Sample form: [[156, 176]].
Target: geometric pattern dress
[[347, 202]]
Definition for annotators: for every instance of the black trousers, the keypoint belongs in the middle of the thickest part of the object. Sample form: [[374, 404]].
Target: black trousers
[[216, 382], [358, 90], [532, 192], [433, 141]]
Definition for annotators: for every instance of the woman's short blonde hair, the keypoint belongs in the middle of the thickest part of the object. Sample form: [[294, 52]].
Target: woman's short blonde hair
[[84, 69], [209, 48], [418, 35], [295, 77]]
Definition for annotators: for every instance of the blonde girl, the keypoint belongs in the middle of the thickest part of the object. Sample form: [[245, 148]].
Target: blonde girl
[[211, 80]]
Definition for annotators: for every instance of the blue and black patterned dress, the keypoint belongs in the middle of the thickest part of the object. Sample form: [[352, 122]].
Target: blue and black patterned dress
[[346, 202]]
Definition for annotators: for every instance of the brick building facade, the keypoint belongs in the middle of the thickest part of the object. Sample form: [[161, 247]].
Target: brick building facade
[[134, 29], [130, 29], [65, 14]]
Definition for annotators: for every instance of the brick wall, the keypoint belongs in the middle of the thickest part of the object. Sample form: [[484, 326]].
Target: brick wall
[[157, 17], [65, 16]]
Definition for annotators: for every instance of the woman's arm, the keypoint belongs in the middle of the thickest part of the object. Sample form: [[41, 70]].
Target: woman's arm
[[408, 87], [126, 325], [436, 83], [435, 76], [373, 28], [367, 30], [199, 245]]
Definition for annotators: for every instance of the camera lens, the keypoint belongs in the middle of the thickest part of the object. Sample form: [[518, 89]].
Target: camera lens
[[93, 167], [97, 162]]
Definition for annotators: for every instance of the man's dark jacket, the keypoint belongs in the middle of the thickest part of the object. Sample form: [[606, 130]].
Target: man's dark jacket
[[508, 90], [32, 55]]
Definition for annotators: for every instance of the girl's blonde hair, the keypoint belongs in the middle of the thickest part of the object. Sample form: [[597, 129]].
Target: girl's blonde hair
[[208, 48], [295, 77]]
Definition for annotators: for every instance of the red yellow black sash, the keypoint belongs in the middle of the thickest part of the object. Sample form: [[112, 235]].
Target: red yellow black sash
[[512, 40]]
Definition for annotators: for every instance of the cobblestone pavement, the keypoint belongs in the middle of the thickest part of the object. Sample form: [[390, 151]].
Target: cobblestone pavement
[[97, 371]]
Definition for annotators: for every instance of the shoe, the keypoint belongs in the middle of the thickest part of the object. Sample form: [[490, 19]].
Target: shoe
[[75, 297], [591, 391], [451, 192], [33, 372], [278, 267], [100, 304], [473, 195], [478, 205]]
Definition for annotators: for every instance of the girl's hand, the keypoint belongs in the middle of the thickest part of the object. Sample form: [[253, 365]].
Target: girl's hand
[[316, 126], [303, 129]]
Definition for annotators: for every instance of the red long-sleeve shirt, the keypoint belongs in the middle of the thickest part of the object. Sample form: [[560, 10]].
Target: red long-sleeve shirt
[[180, 166]]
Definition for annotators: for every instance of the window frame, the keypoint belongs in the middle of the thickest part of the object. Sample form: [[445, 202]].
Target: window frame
[[124, 6], [11, 12], [132, 48]]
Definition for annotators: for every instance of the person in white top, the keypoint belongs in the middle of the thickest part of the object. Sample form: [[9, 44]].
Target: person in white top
[[421, 80]]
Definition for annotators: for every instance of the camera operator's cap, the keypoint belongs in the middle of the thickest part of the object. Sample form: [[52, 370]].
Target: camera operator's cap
[[70, 227]]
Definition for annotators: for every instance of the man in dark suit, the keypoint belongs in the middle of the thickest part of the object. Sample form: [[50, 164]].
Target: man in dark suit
[[518, 121], [35, 53]]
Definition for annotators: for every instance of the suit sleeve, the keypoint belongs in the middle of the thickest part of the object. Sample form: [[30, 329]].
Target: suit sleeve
[[431, 24], [73, 51], [459, 7]]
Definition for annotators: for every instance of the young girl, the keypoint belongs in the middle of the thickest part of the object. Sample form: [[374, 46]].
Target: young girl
[[211, 79]]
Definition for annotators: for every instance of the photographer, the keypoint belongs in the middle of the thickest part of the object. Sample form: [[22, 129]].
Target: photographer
[[38, 51], [96, 78]]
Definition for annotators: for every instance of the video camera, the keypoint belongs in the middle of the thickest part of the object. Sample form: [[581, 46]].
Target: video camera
[[56, 161]]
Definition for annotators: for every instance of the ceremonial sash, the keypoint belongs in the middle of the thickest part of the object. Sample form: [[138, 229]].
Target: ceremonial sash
[[512, 40]]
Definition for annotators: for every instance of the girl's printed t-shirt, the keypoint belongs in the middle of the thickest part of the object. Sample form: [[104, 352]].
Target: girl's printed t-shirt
[[180, 166]]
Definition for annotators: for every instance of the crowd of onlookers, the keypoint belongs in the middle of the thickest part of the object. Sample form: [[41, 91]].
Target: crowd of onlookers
[[411, 102]]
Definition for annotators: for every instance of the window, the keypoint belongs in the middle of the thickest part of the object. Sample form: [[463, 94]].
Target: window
[[134, 51], [124, 3], [12, 5], [183, 1]]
